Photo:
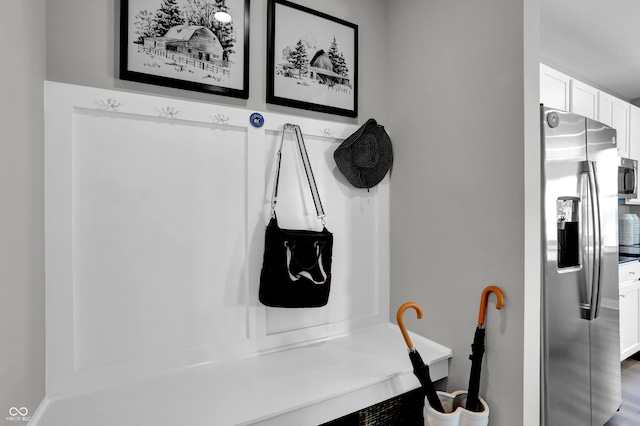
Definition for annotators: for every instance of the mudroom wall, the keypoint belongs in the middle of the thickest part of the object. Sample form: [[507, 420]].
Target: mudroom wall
[[83, 48], [464, 119], [22, 207], [457, 107]]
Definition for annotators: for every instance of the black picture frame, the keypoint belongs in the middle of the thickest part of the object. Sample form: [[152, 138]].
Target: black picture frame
[[190, 54], [327, 76]]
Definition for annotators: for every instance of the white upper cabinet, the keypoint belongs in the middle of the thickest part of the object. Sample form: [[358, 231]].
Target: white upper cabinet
[[615, 113], [558, 90], [554, 88], [634, 132], [634, 141], [584, 99]]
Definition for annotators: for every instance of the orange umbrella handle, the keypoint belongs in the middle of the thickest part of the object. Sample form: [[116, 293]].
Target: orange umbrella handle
[[403, 329], [485, 299]]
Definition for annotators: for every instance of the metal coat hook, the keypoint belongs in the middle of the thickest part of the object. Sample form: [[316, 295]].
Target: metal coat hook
[[110, 103], [220, 119], [170, 112], [327, 132]]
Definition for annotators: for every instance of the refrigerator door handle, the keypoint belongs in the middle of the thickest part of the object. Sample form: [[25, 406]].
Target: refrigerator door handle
[[592, 311]]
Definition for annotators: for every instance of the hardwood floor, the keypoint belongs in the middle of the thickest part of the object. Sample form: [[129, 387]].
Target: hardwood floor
[[629, 414]]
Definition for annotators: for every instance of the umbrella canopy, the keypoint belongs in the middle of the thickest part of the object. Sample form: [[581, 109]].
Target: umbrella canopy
[[477, 349], [420, 369]]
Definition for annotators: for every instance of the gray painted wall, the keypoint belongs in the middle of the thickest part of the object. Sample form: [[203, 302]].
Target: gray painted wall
[[73, 57], [457, 203], [22, 25], [448, 86]]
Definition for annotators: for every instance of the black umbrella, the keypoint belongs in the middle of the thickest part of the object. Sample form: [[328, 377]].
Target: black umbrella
[[420, 369], [477, 349]]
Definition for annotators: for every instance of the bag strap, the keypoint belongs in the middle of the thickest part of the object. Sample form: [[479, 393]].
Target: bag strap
[[307, 169]]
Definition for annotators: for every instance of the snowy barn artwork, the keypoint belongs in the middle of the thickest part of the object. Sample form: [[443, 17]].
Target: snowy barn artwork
[[312, 60], [184, 44], [189, 41]]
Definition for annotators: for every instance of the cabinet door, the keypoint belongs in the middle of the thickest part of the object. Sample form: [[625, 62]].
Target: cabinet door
[[634, 140], [628, 273], [584, 99], [605, 108], [629, 319], [621, 124], [554, 88], [634, 132], [614, 112]]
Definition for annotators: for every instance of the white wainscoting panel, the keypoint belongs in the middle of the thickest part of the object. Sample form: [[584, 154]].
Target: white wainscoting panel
[[160, 237], [352, 215], [155, 216]]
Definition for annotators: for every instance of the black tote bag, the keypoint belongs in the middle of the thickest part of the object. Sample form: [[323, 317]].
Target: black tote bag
[[296, 267]]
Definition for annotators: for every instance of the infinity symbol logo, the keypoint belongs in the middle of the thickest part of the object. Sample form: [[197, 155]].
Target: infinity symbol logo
[[22, 411]]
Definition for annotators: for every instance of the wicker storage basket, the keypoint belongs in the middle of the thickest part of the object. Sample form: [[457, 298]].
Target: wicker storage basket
[[403, 410]]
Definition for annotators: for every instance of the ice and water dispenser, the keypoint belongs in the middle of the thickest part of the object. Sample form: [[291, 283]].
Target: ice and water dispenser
[[567, 209]]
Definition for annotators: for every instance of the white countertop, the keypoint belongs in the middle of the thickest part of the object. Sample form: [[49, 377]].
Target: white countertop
[[306, 385]]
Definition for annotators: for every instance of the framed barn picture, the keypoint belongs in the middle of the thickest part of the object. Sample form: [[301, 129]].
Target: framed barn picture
[[200, 45], [312, 60]]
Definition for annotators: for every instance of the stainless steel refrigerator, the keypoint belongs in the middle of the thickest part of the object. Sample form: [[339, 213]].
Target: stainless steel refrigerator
[[581, 342]]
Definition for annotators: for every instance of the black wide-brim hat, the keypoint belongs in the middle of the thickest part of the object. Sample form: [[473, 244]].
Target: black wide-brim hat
[[365, 157]]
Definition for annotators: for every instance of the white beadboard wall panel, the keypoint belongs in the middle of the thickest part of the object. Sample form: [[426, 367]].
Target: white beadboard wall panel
[[155, 217]]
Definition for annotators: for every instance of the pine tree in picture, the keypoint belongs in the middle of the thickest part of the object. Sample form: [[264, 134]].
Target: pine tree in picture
[[337, 59], [298, 58], [168, 16]]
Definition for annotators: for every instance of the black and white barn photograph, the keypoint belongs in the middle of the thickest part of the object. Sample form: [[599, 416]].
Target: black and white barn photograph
[[190, 44], [312, 60]]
